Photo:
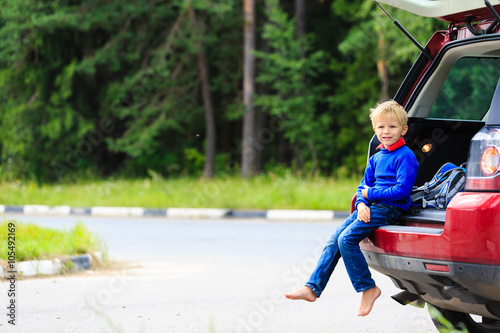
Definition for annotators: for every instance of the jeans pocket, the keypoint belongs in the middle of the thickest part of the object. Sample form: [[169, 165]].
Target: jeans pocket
[[391, 212], [395, 215]]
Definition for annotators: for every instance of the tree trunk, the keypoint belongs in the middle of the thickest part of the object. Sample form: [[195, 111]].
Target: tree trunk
[[300, 31], [382, 69], [248, 140], [209, 166], [262, 118], [260, 133], [284, 150], [300, 16]]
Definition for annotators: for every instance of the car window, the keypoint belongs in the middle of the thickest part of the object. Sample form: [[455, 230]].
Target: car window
[[467, 92]]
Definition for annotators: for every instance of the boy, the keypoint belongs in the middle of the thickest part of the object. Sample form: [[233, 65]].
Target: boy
[[382, 195]]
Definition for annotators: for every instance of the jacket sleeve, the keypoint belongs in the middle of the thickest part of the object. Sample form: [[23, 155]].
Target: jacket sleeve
[[406, 173], [368, 179]]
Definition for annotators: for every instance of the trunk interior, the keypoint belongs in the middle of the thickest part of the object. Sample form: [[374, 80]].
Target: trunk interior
[[447, 141]]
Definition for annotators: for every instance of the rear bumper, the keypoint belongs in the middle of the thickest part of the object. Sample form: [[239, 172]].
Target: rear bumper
[[470, 233], [455, 265], [464, 287]]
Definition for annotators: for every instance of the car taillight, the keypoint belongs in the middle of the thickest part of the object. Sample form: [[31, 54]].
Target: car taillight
[[483, 164], [489, 161]]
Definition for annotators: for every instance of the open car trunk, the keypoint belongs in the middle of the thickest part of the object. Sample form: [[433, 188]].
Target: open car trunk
[[449, 142], [446, 108]]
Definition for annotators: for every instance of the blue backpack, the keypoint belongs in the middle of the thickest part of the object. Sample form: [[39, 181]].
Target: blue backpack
[[438, 192]]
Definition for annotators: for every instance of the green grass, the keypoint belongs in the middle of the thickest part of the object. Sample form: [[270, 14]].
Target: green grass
[[36, 242], [262, 192]]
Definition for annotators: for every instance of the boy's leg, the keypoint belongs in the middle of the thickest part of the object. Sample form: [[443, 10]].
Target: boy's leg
[[326, 264], [355, 262]]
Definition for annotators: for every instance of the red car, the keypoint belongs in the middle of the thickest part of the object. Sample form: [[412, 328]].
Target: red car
[[450, 257]]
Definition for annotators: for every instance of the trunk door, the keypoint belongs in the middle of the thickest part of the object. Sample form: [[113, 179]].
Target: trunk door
[[447, 10]]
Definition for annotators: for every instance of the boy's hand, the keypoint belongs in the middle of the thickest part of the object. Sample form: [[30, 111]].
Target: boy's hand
[[364, 192], [363, 212]]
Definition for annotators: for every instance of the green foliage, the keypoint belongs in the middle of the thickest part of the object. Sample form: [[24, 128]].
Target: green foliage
[[194, 159], [67, 67], [372, 37], [94, 88], [290, 71]]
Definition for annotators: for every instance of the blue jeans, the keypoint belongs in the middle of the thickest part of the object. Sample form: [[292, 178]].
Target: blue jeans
[[344, 242]]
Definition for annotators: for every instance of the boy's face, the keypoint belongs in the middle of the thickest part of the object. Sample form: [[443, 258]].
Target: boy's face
[[389, 130]]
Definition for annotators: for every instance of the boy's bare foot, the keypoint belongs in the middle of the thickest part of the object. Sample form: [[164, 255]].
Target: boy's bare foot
[[369, 297], [304, 293]]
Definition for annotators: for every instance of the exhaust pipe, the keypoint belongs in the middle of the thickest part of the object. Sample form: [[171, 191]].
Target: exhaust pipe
[[405, 297]]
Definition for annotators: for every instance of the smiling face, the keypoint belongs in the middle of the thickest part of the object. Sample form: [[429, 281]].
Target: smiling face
[[389, 129]]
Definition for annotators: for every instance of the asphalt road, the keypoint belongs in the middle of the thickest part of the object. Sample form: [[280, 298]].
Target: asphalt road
[[202, 276]]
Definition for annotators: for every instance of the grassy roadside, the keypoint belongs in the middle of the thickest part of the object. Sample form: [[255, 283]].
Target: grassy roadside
[[29, 241], [262, 192]]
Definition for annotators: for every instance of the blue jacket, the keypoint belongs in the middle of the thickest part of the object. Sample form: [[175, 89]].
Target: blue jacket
[[390, 174]]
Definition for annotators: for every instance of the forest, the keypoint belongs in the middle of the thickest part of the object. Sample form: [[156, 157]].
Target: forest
[[100, 88]]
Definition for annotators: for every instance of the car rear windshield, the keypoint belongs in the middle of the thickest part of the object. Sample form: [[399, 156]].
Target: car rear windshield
[[467, 92]]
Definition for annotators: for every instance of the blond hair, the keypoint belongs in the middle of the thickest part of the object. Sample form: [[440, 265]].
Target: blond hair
[[389, 108]]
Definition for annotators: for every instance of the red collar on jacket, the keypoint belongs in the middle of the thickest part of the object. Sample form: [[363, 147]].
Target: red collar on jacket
[[395, 146]]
